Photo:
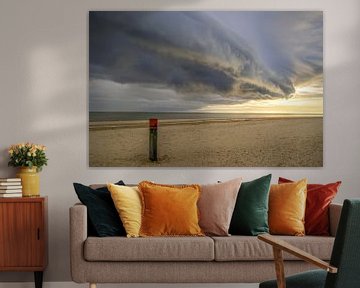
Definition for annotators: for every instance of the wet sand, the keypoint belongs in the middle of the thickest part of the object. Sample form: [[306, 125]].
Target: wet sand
[[284, 142]]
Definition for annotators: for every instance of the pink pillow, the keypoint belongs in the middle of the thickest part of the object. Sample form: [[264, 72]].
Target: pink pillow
[[216, 205]]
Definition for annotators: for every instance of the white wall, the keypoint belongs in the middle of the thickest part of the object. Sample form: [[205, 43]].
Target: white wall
[[43, 88]]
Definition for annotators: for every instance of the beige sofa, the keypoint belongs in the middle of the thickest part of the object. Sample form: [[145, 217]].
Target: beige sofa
[[234, 259]]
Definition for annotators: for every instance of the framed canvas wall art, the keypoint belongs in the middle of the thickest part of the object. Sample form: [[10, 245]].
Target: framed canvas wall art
[[222, 88]]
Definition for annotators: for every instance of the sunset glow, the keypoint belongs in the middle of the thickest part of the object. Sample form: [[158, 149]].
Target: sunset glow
[[231, 62]]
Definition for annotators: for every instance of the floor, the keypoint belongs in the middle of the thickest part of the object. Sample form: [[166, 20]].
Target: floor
[[74, 285]]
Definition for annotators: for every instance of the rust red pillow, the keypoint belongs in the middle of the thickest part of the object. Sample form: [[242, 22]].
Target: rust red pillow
[[319, 197]]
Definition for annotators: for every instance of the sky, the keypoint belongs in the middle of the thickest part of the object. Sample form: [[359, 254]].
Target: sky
[[228, 62]]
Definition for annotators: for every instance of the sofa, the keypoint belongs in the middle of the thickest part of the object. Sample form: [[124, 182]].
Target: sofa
[[233, 259]]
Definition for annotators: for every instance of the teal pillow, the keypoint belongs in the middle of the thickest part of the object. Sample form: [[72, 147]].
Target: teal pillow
[[250, 216]]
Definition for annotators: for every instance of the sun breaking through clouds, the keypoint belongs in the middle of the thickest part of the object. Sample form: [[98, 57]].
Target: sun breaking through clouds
[[245, 62]]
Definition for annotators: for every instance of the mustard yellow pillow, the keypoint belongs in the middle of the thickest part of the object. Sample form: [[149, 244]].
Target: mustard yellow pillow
[[287, 204], [169, 210], [127, 201]]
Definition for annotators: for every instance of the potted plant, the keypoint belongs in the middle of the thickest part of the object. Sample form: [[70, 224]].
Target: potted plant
[[30, 158]]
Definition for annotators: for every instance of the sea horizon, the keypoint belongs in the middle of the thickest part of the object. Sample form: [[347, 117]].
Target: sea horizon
[[136, 116]]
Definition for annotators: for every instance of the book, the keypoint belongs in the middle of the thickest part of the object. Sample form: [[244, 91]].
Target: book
[[10, 179], [10, 187], [12, 190], [10, 183], [4, 195]]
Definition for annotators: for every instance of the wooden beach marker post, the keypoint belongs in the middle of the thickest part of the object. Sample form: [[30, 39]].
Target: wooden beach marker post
[[153, 124]]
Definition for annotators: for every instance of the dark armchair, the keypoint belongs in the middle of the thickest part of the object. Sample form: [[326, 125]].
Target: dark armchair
[[344, 268]]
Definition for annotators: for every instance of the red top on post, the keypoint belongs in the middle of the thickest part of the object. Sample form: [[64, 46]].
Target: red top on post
[[153, 122]]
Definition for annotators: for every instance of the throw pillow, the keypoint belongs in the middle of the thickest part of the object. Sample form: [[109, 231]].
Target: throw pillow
[[250, 215], [169, 210], [216, 206], [127, 201], [102, 215], [287, 208], [319, 197]]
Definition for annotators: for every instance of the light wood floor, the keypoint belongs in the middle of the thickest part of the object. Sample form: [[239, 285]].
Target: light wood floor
[[74, 285]]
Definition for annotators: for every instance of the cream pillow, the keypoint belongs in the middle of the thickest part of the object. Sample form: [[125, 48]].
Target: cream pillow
[[216, 206], [127, 201]]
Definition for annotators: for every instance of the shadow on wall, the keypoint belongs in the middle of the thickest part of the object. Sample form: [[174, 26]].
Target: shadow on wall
[[45, 56], [45, 80], [4, 159]]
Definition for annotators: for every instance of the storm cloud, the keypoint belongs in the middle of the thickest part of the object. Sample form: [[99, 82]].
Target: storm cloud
[[184, 61]]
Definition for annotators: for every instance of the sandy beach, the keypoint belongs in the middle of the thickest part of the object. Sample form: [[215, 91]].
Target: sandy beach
[[284, 142]]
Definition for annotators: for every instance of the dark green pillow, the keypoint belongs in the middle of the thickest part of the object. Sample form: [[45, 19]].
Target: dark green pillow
[[102, 215], [250, 216]]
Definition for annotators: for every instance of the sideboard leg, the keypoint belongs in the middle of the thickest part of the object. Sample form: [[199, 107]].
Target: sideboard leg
[[92, 285], [38, 279]]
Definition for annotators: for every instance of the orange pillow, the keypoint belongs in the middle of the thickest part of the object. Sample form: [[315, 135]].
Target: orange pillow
[[318, 200], [169, 210], [287, 204]]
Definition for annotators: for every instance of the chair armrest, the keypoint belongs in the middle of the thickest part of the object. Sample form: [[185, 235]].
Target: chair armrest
[[284, 246]]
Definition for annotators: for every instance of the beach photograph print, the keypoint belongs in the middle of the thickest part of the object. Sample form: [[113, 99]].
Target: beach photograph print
[[205, 89]]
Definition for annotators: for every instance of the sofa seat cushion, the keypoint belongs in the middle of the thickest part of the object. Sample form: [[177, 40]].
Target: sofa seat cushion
[[244, 248], [149, 249]]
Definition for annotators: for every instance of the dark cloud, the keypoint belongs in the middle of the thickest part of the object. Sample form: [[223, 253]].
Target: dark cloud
[[188, 52]]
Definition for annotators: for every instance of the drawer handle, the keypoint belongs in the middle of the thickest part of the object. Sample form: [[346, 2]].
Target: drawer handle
[[38, 234]]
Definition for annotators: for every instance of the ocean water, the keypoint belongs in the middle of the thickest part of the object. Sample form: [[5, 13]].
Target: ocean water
[[128, 116]]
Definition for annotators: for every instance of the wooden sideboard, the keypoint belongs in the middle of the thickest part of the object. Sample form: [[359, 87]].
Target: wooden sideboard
[[23, 235]]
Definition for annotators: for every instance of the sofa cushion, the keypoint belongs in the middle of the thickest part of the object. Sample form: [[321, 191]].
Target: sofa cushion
[[250, 215], [243, 248], [127, 201], [287, 204], [318, 199], [102, 216], [216, 206], [149, 249], [169, 210]]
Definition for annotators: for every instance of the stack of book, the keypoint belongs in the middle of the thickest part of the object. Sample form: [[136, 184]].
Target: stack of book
[[10, 187]]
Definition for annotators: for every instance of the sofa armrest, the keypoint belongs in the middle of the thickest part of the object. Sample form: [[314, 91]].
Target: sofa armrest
[[78, 235], [334, 216]]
